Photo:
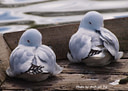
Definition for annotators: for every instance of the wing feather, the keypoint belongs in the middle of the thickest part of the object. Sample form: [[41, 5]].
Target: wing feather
[[80, 46], [110, 41], [20, 60], [46, 54]]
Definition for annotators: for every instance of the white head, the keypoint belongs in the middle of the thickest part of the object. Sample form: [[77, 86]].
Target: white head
[[92, 20], [31, 37]]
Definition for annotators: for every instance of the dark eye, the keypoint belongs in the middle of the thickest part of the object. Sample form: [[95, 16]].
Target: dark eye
[[90, 23], [28, 41]]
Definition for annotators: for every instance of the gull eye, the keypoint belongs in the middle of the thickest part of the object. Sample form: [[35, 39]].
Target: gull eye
[[90, 22], [28, 41]]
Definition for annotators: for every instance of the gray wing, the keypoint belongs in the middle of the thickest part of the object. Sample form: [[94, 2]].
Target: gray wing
[[79, 46], [110, 41], [48, 58], [20, 60]]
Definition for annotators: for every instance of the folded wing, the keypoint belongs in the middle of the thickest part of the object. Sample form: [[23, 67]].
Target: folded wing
[[79, 46], [20, 61], [110, 41], [47, 57]]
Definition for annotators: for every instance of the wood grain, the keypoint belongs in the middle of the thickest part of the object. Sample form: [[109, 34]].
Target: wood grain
[[77, 77], [58, 36], [4, 58], [74, 76]]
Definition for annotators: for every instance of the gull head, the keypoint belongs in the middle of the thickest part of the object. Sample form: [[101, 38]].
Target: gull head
[[31, 37], [92, 20]]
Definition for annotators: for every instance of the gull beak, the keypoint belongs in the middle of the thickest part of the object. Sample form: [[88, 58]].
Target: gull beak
[[97, 31]]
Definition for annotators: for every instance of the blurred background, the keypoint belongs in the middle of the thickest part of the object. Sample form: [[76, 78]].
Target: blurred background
[[17, 15]]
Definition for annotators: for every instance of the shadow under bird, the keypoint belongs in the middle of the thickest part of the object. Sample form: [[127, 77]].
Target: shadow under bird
[[31, 60], [92, 43]]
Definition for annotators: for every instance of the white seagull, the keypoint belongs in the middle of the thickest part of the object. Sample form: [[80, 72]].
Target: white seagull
[[31, 60], [92, 43]]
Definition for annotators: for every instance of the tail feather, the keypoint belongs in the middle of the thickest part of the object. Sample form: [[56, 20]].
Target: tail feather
[[34, 69], [70, 58], [120, 54], [58, 69], [9, 72]]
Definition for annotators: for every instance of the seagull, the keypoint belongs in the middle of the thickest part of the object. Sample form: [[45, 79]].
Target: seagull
[[31, 60], [92, 43]]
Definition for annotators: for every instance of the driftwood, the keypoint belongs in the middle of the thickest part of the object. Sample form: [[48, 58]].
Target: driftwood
[[74, 76], [4, 58]]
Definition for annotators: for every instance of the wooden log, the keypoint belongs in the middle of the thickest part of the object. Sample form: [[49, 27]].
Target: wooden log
[[4, 58], [77, 77], [68, 82], [58, 36], [74, 76], [117, 68]]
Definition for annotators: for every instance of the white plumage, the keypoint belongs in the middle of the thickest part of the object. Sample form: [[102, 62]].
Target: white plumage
[[92, 43], [31, 60]]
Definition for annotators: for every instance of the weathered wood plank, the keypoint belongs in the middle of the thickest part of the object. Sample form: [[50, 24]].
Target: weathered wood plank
[[4, 57], [118, 68], [69, 82], [75, 76], [58, 36], [125, 56]]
